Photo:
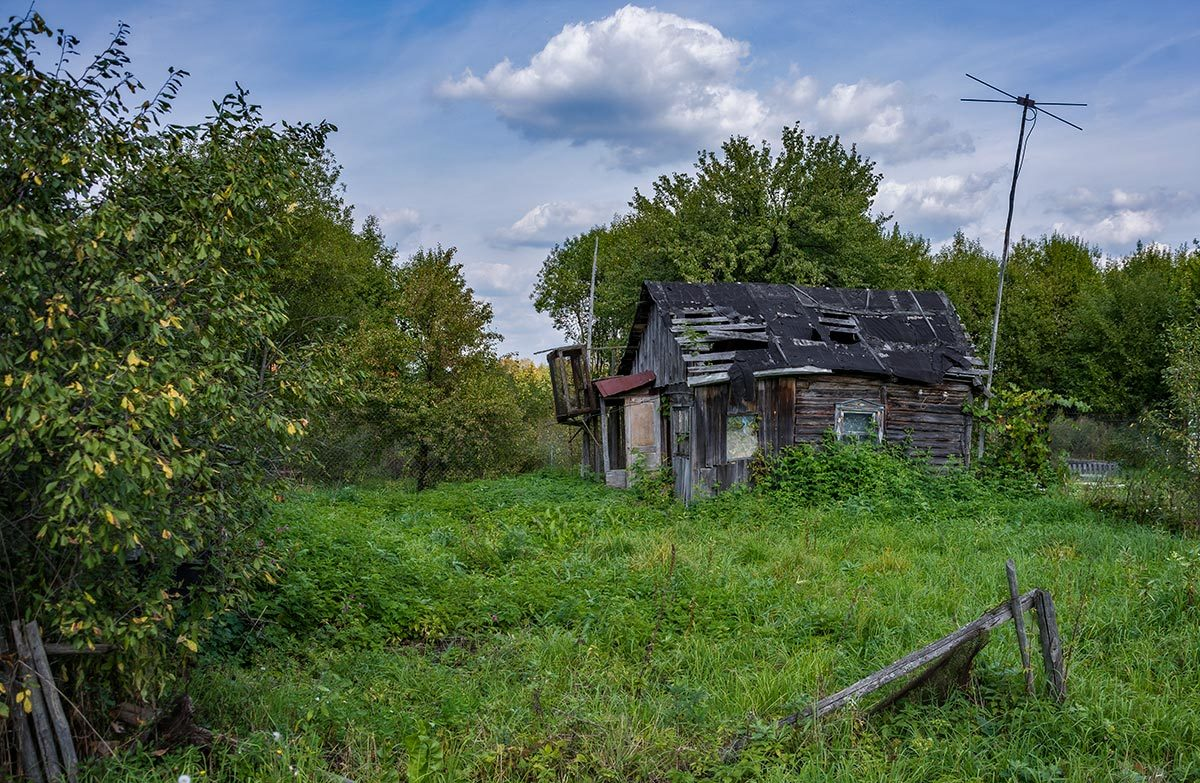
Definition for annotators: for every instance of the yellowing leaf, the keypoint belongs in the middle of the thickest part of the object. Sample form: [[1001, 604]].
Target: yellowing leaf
[[33, 356], [166, 534], [133, 360], [8, 380], [108, 514], [126, 404], [166, 469], [291, 428], [188, 643]]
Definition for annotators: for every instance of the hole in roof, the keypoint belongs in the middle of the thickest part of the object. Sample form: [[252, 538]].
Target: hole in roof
[[843, 337], [735, 345]]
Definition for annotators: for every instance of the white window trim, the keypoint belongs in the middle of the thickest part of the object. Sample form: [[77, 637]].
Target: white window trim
[[873, 409]]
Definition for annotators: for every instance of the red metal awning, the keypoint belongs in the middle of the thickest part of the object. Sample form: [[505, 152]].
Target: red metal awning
[[620, 384]]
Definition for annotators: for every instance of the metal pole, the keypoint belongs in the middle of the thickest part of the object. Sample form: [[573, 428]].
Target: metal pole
[[1012, 195]]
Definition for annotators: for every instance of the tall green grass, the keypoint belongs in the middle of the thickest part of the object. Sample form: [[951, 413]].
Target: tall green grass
[[545, 628]]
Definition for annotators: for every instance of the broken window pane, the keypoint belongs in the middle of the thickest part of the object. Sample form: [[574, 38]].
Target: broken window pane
[[741, 436]]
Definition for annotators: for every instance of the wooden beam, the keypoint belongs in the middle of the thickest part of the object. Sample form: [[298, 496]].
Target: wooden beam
[[1019, 622], [58, 717], [901, 668], [28, 679], [1052, 654]]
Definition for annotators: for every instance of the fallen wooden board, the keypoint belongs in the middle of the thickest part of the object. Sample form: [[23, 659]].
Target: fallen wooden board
[[901, 668]]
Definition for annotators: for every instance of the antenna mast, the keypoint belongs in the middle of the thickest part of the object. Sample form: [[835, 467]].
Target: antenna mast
[[1029, 110]]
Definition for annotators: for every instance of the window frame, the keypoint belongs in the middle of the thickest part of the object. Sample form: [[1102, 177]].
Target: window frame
[[858, 407]]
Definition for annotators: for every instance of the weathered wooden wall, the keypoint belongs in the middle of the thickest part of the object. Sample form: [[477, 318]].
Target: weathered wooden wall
[[660, 352], [925, 419]]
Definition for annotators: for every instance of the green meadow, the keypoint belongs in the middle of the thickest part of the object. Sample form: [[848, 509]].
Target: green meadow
[[546, 628]]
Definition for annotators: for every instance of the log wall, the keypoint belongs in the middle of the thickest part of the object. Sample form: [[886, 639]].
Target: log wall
[[924, 419]]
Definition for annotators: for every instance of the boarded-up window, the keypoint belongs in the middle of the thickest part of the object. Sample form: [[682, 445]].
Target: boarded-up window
[[642, 431], [741, 436]]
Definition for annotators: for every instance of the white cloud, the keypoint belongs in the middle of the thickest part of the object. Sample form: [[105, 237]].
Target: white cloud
[[1120, 217], [888, 121], [653, 86], [941, 203], [547, 223], [644, 82], [492, 279]]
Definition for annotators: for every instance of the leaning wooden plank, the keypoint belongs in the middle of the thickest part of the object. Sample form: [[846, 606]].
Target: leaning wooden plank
[[58, 717], [910, 663], [41, 723], [901, 668], [1019, 622], [1052, 654], [26, 745]]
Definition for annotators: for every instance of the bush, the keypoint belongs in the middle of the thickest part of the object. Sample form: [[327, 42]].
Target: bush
[[137, 385], [838, 471]]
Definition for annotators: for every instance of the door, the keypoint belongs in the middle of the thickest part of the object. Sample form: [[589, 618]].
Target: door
[[643, 431]]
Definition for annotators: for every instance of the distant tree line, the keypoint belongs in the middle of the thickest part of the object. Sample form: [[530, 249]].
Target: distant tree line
[[1073, 321]]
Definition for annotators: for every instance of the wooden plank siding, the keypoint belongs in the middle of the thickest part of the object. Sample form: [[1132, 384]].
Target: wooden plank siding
[[777, 411], [659, 352], [925, 419]]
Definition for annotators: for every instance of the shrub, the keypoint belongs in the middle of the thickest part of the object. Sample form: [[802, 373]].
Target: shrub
[[137, 384]]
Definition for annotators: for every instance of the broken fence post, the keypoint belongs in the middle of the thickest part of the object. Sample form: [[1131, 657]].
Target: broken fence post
[[1019, 622], [29, 683], [58, 717], [1052, 654]]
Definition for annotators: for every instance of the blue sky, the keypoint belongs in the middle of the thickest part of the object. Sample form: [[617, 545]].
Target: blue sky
[[502, 128]]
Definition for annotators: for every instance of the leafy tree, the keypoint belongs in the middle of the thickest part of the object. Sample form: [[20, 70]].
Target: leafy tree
[[434, 376], [1047, 280], [139, 409], [799, 215], [967, 274]]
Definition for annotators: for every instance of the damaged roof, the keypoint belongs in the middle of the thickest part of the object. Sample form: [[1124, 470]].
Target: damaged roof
[[741, 331]]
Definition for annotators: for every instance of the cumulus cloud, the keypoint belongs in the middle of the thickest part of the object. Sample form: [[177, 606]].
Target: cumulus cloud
[[546, 224], [399, 223], [495, 279], [940, 203], [652, 85], [1120, 217], [641, 81], [888, 121]]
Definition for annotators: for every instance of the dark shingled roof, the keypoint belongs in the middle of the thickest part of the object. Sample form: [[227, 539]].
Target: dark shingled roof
[[757, 328]]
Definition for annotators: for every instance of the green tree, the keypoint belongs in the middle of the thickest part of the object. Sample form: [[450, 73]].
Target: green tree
[[800, 215], [139, 414], [434, 377]]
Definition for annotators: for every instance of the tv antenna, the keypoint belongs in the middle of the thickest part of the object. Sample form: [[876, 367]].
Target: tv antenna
[[1030, 109]]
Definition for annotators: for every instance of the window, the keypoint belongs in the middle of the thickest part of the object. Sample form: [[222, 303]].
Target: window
[[858, 420], [741, 436]]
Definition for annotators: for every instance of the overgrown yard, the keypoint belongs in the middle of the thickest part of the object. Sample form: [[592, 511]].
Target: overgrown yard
[[545, 628]]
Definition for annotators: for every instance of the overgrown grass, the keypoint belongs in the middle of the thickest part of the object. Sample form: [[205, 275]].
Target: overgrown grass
[[544, 628]]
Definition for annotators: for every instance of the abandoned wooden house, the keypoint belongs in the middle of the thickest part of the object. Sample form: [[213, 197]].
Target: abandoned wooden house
[[714, 373]]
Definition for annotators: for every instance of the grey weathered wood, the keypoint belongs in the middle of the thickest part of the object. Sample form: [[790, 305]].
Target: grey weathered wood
[[41, 721], [911, 662], [901, 668], [710, 357], [1052, 654], [58, 717], [1019, 622], [26, 745]]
